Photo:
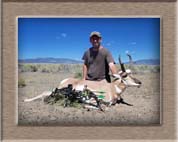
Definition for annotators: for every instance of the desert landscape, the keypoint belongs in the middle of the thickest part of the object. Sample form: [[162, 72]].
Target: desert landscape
[[33, 79]]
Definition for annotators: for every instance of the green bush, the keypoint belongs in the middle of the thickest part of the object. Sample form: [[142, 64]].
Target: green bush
[[45, 70], [34, 68], [28, 68], [59, 100], [78, 75], [76, 69], [21, 82]]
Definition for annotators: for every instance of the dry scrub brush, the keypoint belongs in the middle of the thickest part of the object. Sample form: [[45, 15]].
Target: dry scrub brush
[[77, 68]]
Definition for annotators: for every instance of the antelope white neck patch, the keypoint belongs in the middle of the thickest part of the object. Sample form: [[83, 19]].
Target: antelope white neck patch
[[128, 71], [118, 90], [117, 76]]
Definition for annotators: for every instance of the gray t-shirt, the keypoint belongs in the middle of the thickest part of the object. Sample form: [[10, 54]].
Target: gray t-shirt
[[97, 63]]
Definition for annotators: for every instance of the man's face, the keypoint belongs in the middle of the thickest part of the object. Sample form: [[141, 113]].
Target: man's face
[[95, 41]]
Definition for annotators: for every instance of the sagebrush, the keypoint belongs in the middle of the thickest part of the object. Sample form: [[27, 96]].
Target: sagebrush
[[76, 69]]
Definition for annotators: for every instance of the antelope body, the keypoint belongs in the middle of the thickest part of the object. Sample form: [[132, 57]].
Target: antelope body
[[111, 91]]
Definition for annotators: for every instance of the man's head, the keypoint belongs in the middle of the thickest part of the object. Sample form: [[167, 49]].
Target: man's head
[[95, 39]]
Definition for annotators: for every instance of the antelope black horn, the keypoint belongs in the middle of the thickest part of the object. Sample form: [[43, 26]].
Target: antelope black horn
[[121, 64], [130, 58]]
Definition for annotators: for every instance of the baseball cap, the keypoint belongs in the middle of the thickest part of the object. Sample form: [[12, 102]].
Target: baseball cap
[[95, 33]]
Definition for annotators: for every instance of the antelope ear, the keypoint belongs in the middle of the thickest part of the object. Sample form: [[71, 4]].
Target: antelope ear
[[116, 76]]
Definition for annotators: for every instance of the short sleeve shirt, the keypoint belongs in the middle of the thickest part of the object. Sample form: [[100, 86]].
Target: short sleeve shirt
[[97, 63]]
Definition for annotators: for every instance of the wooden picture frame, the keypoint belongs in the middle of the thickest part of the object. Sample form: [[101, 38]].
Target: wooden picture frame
[[12, 9]]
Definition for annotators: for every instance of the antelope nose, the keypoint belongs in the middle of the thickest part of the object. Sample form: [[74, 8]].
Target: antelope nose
[[138, 81], [139, 84]]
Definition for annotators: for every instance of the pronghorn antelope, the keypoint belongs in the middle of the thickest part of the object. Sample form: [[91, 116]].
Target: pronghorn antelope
[[112, 91]]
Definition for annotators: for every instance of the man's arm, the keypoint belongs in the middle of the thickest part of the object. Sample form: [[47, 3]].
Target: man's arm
[[84, 71], [113, 68], [110, 61]]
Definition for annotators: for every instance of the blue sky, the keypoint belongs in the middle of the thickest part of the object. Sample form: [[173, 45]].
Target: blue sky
[[69, 37]]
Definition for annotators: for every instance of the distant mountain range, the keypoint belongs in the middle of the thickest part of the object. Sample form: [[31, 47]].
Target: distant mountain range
[[50, 60], [72, 61], [146, 62]]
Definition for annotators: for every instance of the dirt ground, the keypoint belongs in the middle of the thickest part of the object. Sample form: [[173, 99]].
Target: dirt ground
[[145, 110]]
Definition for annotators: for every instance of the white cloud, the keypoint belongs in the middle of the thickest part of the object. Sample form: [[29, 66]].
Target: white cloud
[[64, 35], [132, 43], [129, 52], [61, 35], [108, 44]]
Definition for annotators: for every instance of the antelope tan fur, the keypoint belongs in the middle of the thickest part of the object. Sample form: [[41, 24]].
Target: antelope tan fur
[[111, 91]]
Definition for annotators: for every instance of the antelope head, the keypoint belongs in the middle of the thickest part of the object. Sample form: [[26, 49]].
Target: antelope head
[[125, 76]]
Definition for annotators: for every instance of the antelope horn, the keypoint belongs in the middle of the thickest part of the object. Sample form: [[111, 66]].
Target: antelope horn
[[121, 64], [130, 58]]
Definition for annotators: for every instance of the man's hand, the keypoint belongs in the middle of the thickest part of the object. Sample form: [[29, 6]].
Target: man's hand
[[84, 72], [113, 68]]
